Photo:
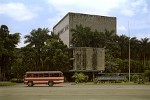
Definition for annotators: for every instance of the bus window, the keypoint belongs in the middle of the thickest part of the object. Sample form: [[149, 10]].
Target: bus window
[[46, 75], [40, 75], [51, 75], [61, 75], [29, 75], [35, 75], [56, 75]]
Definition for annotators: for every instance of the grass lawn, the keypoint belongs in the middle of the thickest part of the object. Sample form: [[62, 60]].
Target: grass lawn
[[7, 83]]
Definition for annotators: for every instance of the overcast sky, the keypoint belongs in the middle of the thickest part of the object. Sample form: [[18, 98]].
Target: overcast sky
[[24, 15]]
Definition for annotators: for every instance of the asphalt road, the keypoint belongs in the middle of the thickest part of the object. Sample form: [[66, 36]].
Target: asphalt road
[[76, 92]]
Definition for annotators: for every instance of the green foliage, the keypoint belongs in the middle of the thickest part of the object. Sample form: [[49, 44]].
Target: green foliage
[[46, 51], [18, 67], [147, 74], [5, 83], [36, 40], [140, 79], [16, 80], [85, 37], [8, 44], [116, 49], [43, 52], [135, 78], [80, 77]]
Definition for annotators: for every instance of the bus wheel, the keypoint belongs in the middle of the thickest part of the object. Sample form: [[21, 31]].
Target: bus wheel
[[50, 83], [30, 84]]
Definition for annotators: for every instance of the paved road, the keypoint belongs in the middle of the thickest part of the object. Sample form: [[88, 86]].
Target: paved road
[[76, 92]]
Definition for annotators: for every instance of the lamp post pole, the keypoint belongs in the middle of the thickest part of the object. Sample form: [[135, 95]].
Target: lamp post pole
[[129, 59], [129, 50]]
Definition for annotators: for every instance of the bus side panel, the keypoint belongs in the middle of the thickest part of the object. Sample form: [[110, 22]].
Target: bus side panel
[[44, 80]]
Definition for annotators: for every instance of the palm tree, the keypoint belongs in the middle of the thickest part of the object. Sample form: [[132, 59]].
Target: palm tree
[[123, 42], [145, 47], [134, 46], [37, 39], [8, 43], [78, 36]]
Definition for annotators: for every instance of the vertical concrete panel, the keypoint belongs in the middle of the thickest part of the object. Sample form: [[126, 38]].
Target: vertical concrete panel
[[74, 62], [84, 59], [89, 53], [101, 59], [94, 58]]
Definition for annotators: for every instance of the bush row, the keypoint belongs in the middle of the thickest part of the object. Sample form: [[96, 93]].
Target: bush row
[[15, 80]]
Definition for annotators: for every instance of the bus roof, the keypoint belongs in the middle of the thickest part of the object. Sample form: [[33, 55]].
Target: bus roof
[[43, 72]]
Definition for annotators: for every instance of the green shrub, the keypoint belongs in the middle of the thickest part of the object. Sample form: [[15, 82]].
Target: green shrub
[[146, 79], [140, 79], [147, 74], [15, 80], [6, 83], [135, 78], [80, 77]]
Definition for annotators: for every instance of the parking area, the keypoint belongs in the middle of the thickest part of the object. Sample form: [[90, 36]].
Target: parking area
[[69, 91]]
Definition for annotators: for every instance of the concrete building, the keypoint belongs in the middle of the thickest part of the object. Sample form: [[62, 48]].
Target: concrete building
[[95, 22], [85, 58]]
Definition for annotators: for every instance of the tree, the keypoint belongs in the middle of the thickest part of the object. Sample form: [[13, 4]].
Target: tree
[[145, 47], [8, 43], [37, 39], [17, 69], [123, 42], [56, 55], [85, 37], [47, 50], [80, 34], [134, 48]]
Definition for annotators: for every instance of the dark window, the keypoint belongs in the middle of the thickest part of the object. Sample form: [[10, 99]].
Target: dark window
[[50, 75], [46, 75], [40, 75], [29, 75], [61, 75], [35, 75], [56, 75]]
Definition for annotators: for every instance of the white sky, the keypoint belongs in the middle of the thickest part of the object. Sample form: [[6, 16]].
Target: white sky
[[24, 15]]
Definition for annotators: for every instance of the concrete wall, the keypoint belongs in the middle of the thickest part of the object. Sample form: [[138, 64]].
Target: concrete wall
[[95, 22], [62, 28], [88, 58]]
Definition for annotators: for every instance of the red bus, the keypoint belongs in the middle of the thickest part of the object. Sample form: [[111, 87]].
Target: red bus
[[43, 77]]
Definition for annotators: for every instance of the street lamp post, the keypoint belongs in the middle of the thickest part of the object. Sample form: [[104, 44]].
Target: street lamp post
[[129, 59], [129, 50]]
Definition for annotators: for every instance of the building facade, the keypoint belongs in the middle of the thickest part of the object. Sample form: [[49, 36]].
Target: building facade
[[88, 58], [95, 22]]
